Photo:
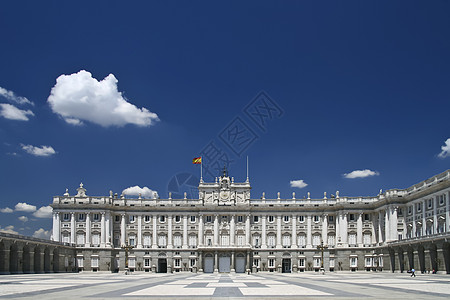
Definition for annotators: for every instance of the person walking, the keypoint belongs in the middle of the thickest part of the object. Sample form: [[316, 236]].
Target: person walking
[[413, 273]]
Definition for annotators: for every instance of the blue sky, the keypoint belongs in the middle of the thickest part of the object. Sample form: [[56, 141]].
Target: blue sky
[[308, 90]]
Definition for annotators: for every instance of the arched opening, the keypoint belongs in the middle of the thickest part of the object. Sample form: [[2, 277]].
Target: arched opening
[[2, 259], [224, 263], [240, 263], [47, 260], [26, 260], [446, 253], [37, 260], [13, 259], [421, 254], [55, 260], [208, 263]]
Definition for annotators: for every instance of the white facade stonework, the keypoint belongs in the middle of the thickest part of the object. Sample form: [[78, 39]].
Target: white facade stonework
[[225, 230]]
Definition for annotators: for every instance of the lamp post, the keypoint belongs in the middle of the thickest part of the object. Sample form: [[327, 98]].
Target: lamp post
[[321, 248], [126, 247]]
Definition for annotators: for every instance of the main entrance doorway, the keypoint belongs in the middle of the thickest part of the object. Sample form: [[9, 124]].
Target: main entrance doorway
[[162, 265], [224, 263], [240, 263], [208, 264], [286, 265]]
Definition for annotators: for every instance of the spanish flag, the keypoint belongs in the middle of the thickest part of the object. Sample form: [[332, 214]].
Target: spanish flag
[[197, 161]]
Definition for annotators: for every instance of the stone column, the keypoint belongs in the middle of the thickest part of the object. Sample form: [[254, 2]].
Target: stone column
[[294, 232], [102, 230], [216, 262], [169, 232], [216, 230], [447, 213], [424, 220], [185, 232], [108, 229], [56, 227], [325, 229], [359, 225], [247, 230], [88, 230], [394, 223], [233, 267], [139, 237], [200, 262], [380, 231], [413, 233], [387, 224], [72, 228], [278, 246], [122, 230], [435, 219], [264, 234], [200, 231], [338, 228], [155, 232], [372, 229], [344, 229], [232, 231], [308, 232]]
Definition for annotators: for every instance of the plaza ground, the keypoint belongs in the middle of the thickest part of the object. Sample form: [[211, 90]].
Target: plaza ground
[[340, 285]]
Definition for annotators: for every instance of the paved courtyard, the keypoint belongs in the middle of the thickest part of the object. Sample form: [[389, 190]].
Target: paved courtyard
[[206, 286]]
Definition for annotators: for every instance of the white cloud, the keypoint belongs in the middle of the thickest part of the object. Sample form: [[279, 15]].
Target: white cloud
[[45, 212], [23, 218], [11, 112], [136, 190], [11, 96], [25, 207], [80, 97], [298, 183], [9, 229], [36, 151], [42, 234], [445, 149], [6, 210], [361, 174]]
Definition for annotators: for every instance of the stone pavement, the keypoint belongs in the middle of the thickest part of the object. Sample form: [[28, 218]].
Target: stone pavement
[[340, 285]]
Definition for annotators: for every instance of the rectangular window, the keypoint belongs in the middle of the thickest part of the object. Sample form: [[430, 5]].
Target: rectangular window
[[162, 219], [132, 262], [330, 219], [419, 206], [96, 239], [146, 219], [80, 239], [177, 241], [271, 241], [286, 241], [271, 218], [316, 262], [94, 262], [352, 217], [240, 219], [409, 210], [177, 219], [241, 240], [66, 217], [353, 262], [192, 219], [255, 219], [316, 240], [256, 262], [80, 261], [177, 262], [302, 241], [331, 240], [117, 218], [132, 219], [316, 219], [331, 262], [66, 238], [301, 218], [146, 262], [271, 263], [81, 217], [366, 217], [352, 239], [132, 241], [301, 262], [286, 219], [147, 241], [96, 217], [367, 239], [162, 242], [208, 219], [430, 203], [192, 241], [192, 262]]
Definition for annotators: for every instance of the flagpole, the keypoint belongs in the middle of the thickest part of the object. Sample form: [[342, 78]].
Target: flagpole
[[201, 169]]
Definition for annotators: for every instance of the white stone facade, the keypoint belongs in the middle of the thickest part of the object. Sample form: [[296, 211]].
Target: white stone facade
[[225, 230]]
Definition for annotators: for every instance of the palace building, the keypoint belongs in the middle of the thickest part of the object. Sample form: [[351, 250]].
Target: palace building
[[225, 230]]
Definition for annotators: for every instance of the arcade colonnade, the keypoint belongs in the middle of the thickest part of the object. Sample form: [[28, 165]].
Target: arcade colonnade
[[21, 254]]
